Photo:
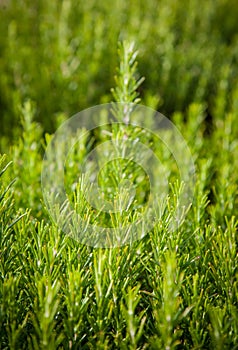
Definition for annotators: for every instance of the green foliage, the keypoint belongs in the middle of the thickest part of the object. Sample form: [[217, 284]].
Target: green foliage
[[169, 290], [62, 55]]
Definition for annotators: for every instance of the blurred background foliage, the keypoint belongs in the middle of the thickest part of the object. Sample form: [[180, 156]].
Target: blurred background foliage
[[62, 55]]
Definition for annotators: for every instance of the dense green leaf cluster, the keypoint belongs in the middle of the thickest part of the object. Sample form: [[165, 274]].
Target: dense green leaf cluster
[[169, 290]]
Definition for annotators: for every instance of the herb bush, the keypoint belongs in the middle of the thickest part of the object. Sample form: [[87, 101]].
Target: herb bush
[[170, 290]]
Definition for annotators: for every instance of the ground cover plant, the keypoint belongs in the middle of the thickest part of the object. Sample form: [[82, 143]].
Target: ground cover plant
[[171, 289]]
